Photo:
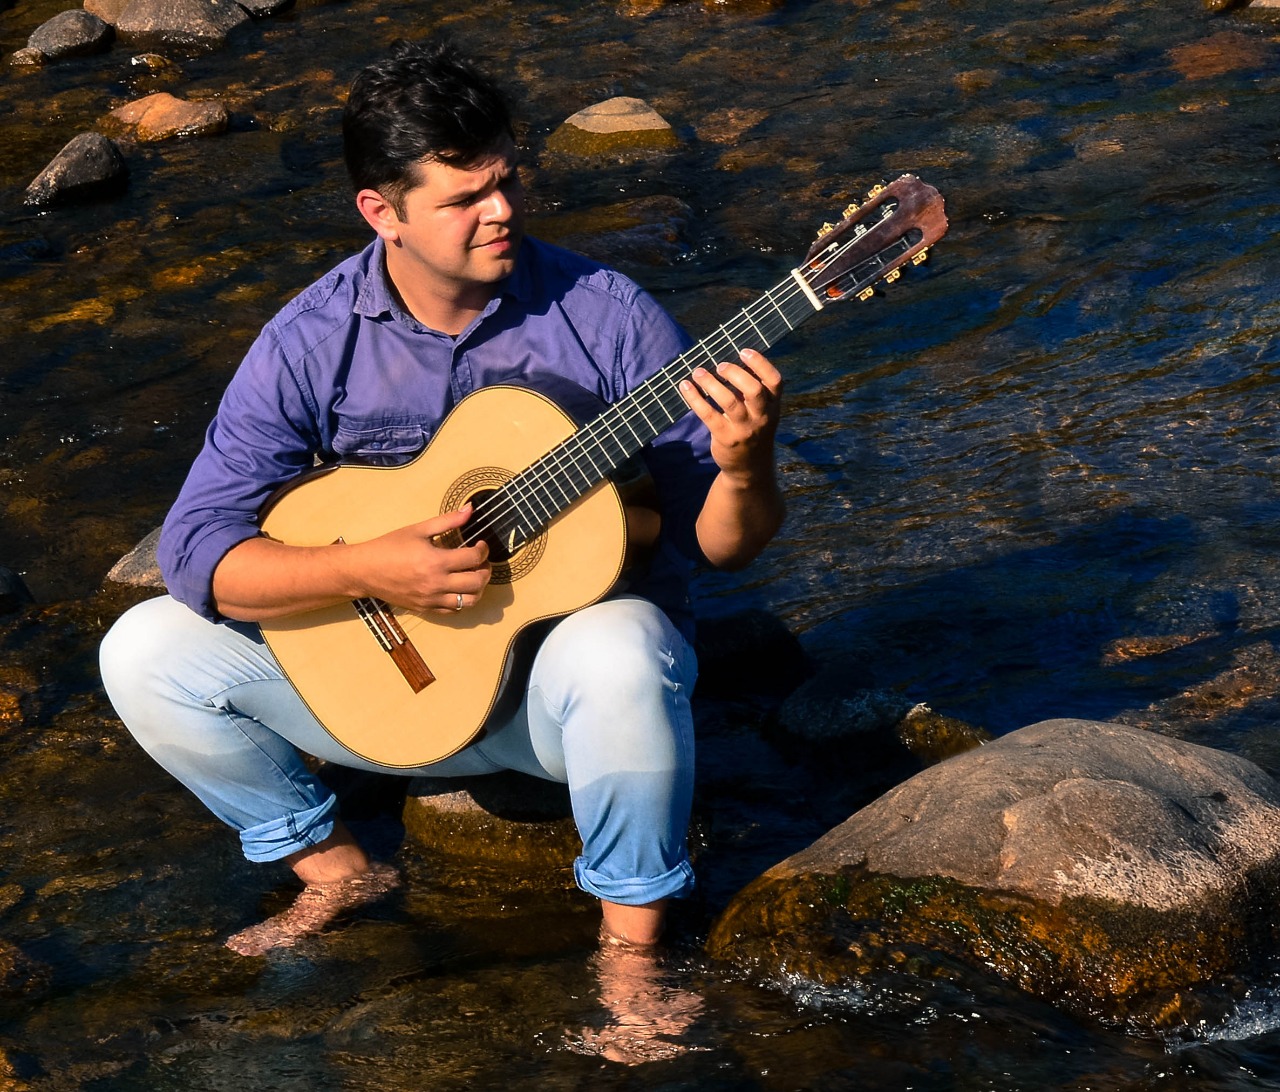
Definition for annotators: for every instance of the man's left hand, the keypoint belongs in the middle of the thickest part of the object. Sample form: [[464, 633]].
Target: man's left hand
[[740, 405]]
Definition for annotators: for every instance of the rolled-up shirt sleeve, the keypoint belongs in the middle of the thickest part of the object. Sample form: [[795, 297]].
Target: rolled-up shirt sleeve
[[263, 434]]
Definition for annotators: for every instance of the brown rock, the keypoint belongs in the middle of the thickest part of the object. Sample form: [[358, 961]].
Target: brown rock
[[109, 11], [1096, 865], [163, 117], [504, 819]]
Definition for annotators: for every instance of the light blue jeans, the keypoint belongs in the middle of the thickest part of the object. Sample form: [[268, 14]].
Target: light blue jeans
[[606, 711]]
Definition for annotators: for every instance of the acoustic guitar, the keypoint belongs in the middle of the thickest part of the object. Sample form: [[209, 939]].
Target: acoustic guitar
[[403, 688]]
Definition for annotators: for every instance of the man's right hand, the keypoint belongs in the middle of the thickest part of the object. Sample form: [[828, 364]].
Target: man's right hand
[[261, 578], [409, 567]]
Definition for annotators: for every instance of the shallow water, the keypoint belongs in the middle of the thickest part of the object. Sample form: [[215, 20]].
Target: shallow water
[[1054, 443]]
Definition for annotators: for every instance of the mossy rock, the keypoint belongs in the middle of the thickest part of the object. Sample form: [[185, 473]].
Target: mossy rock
[[621, 126], [1115, 872], [506, 819]]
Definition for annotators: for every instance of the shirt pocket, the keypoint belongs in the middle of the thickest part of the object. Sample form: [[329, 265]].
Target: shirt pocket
[[381, 443]]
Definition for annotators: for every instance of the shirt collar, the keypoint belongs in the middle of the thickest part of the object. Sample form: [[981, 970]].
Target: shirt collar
[[375, 297]]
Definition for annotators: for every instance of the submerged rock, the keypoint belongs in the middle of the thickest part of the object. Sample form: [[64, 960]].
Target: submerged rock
[[1098, 866], [616, 126], [89, 166], [70, 34], [14, 594], [163, 116]]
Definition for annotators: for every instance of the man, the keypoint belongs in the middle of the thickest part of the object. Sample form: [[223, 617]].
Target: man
[[450, 296]]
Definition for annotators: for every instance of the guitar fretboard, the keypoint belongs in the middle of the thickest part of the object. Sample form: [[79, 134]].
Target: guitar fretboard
[[525, 505]]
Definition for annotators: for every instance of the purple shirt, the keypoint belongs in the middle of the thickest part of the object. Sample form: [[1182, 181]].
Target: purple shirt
[[343, 373]]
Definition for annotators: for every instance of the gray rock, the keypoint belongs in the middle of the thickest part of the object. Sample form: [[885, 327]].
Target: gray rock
[[199, 23], [74, 33], [139, 567], [1066, 808], [1097, 865], [89, 166], [260, 9]]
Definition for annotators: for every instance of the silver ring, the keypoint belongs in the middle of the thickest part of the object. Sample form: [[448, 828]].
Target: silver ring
[[459, 606]]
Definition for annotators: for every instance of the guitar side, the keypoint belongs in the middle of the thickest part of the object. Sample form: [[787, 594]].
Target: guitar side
[[361, 694]]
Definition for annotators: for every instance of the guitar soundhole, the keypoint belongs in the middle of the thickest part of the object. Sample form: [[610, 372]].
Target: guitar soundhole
[[476, 487]]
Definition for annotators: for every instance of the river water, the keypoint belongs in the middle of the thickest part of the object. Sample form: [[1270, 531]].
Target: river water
[[1037, 477]]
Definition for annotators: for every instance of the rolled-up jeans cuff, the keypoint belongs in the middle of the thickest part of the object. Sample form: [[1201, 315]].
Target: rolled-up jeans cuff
[[296, 831], [675, 884]]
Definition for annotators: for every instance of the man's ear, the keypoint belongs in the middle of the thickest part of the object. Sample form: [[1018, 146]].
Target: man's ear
[[379, 214]]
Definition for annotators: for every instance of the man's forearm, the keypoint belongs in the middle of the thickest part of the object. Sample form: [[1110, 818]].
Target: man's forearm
[[260, 578], [741, 514]]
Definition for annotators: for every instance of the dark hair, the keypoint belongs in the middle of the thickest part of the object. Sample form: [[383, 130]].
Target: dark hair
[[425, 100]]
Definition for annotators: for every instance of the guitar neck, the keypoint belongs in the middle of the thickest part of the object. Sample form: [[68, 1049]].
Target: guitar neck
[[534, 497]]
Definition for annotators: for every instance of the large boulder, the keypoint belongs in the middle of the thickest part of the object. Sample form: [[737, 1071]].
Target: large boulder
[[72, 33], [1099, 866], [89, 166], [109, 11], [190, 23]]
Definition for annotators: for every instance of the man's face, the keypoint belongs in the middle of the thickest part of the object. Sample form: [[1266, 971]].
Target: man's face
[[461, 227]]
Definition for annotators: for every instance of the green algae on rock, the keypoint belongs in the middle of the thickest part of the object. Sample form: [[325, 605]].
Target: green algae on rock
[[621, 125]]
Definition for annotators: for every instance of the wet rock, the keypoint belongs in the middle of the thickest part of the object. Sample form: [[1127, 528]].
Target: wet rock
[[648, 230], [750, 652], [163, 116], [193, 23], [1110, 870], [71, 34], [24, 251], [618, 126], [20, 975], [109, 11], [13, 592], [503, 819], [89, 166], [139, 567], [26, 57], [260, 9]]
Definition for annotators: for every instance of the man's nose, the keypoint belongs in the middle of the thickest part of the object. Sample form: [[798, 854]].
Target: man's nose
[[496, 209]]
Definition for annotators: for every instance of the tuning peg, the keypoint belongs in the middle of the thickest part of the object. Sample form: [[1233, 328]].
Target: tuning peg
[[826, 228], [866, 294], [875, 191], [921, 258], [851, 209], [892, 276]]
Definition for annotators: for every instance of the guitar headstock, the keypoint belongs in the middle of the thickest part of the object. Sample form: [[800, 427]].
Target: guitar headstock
[[896, 224]]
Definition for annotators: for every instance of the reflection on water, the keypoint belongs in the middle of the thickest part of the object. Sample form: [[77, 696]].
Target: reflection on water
[[1012, 478]]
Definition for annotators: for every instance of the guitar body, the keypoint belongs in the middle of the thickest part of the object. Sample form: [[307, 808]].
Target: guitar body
[[353, 686]]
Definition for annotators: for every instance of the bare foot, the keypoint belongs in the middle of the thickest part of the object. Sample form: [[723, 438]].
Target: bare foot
[[648, 1011], [314, 908]]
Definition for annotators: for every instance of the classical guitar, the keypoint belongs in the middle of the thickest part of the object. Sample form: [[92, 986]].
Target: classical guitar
[[405, 689]]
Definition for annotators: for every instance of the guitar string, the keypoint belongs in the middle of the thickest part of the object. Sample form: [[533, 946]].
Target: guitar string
[[517, 496], [528, 487]]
